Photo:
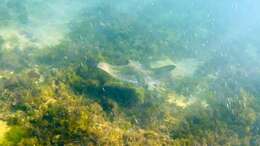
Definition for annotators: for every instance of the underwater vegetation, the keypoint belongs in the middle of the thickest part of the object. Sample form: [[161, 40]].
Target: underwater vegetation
[[150, 73]]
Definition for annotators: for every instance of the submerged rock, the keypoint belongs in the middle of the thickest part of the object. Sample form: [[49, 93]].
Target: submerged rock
[[103, 87]]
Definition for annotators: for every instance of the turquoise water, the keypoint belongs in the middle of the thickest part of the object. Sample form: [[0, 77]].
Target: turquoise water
[[152, 72]]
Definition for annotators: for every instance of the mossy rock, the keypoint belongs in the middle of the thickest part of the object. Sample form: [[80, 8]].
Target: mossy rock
[[99, 85], [124, 94]]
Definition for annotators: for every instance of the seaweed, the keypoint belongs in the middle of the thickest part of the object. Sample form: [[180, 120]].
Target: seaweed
[[57, 95]]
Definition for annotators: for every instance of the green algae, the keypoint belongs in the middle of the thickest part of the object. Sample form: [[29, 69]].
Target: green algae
[[55, 95]]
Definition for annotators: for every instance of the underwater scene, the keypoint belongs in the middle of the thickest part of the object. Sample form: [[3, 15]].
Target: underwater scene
[[129, 73]]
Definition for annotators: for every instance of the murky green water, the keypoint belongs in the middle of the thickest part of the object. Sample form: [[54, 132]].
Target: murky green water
[[153, 72]]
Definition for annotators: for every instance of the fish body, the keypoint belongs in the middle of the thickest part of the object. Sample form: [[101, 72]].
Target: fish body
[[162, 71], [134, 72]]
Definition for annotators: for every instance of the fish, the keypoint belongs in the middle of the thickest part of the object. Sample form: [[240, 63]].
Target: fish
[[164, 69], [134, 72]]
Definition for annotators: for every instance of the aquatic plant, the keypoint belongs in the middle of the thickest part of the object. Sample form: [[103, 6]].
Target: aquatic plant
[[56, 94]]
